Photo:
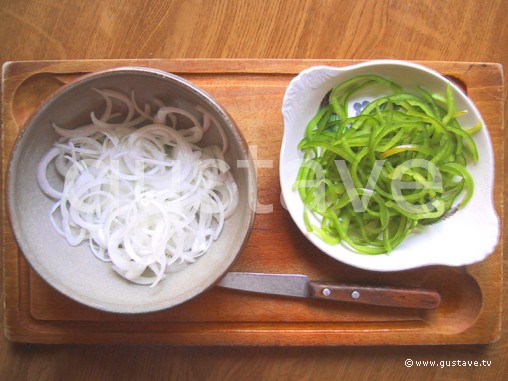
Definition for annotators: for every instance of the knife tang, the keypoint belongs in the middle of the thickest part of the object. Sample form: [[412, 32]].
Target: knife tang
[[382, 296]]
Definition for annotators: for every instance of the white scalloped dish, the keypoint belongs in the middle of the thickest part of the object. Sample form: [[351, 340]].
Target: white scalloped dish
[[469, 236]]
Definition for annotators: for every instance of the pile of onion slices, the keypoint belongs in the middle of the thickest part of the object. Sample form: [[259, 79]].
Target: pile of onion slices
[[137, 187]]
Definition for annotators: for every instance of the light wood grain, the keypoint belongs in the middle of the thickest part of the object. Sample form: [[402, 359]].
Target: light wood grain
[[451, 30]]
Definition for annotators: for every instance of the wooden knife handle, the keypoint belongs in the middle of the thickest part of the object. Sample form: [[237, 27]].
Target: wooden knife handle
[[381, 296]]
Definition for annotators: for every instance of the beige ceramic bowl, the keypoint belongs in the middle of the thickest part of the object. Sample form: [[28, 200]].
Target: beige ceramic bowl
[[75, 271]]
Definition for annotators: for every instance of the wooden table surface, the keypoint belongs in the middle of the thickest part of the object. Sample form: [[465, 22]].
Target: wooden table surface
[[447, 30]]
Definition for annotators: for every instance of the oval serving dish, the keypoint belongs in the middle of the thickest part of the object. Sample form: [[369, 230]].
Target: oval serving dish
[[468, 236]]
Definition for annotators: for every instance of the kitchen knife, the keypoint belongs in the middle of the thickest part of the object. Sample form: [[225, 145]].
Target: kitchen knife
[[300, 286]]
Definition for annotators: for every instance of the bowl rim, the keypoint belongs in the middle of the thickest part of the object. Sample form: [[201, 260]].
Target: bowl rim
[[251, 186]]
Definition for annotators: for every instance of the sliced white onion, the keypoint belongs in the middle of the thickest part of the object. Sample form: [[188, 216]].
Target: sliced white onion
[[142, 194], [42, 175], [210, 117]]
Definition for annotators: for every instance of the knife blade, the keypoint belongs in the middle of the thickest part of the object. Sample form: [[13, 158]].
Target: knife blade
[[297, 285]]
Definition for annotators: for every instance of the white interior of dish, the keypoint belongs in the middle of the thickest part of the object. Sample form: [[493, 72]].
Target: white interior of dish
[[467, 237]]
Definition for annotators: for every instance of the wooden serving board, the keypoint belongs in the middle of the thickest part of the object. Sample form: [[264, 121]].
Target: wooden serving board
[[252, 91]]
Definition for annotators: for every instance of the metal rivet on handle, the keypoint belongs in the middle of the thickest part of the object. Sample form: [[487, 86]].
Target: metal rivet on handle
[[355, 294], [326, 292]]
